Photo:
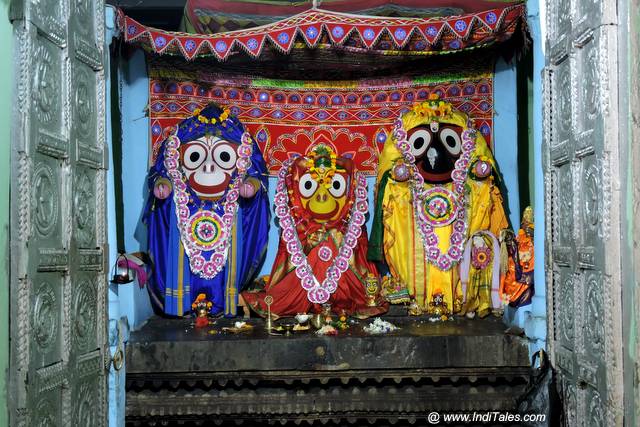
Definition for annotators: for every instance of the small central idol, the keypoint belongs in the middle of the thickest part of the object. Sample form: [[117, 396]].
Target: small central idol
[[207, 214], [321, 205]]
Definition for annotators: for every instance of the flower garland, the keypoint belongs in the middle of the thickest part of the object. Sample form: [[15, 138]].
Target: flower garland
[[317, 292], [205, 230], [455, 213]]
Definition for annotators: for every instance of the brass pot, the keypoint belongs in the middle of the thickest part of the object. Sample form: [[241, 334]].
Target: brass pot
[[317, 320]]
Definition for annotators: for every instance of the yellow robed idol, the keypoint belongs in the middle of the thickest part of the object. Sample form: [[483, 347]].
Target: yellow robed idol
[[435, 187]]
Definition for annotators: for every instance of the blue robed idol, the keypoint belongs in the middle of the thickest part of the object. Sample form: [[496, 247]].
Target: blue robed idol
[[189, 187]]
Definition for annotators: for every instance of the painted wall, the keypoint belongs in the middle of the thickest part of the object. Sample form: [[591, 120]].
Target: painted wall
[[116, 380], [532, 318], [134, 84], [6, 104], [505, 133]]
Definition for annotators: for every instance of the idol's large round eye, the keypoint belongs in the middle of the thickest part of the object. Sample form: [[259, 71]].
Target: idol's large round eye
[[338, 186], [307, 185], [419, 141], [451, 141], [225, 156], [193, 155]]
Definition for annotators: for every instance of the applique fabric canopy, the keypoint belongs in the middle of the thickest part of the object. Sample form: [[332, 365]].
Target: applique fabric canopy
[[215, 16], [323, 28]]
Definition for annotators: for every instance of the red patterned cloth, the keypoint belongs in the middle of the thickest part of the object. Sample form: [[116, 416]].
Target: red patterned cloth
[[354, 117]]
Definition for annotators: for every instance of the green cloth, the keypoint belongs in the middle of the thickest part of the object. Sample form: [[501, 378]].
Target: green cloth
[[375, 250]]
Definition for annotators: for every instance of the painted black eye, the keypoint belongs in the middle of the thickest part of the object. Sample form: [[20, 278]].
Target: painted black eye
[[225, 156], [307, 185], [193, 155], [419, 141], [338, 186], [452, 141]]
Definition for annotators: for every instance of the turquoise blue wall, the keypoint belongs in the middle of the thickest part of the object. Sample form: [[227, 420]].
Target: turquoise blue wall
[[116, 379], [505, 135], [532, 318], [134, 83], [535, 319], [118, 320]]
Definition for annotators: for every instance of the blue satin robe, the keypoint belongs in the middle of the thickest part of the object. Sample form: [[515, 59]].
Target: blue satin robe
[[173, 287]]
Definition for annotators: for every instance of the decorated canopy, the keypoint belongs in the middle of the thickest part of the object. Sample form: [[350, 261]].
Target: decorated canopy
[[216, 16], [319, 28], [325, 75]]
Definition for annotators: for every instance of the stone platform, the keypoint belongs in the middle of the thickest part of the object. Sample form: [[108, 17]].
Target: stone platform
[[198, 376]]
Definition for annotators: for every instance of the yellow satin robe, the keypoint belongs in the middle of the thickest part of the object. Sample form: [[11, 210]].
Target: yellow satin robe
[[402, 244]]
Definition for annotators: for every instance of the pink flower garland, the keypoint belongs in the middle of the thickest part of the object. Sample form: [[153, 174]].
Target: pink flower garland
[[444, 261], [200, 266], [317, 292]]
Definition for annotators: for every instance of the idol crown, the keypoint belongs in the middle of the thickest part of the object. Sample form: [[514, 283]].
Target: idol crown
[[322, 164]]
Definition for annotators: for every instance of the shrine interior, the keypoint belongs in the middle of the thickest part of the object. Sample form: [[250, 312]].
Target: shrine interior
[[358, 244]]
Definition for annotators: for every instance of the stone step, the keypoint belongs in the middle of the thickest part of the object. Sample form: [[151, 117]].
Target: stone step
[[178, 372]]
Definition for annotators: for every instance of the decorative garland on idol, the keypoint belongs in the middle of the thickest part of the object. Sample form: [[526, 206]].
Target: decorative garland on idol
[[205, 230], [439, 206], [317, 292]]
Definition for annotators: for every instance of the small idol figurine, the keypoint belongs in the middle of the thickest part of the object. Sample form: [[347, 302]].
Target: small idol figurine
[[321, 205], [517, 262], [201, 308], [207, 213], [480, 275]]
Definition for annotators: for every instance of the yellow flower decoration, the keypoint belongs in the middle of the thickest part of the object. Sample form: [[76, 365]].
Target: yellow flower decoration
[[202, 119], [433, 108]]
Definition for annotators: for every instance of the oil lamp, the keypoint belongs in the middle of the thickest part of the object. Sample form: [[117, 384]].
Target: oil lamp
[[121, 273]]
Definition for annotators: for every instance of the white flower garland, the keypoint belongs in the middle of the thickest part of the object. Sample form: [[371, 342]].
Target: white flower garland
[[433, 254], [317, 292], [206, 222]]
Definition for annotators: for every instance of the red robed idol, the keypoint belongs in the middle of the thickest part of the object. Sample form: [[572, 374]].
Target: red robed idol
[[321, 204]]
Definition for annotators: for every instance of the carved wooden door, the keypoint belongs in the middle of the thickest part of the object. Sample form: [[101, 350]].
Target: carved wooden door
[[58, 277], [582, 206]]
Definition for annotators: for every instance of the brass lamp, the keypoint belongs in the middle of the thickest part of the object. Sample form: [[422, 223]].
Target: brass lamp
[[121, 273]]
